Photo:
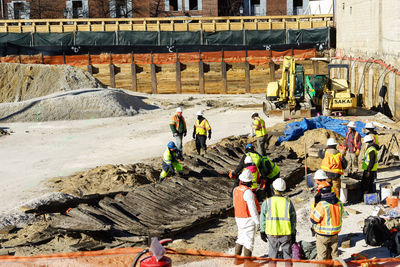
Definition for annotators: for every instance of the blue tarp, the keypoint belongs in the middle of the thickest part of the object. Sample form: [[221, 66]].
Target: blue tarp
[[295, 130]]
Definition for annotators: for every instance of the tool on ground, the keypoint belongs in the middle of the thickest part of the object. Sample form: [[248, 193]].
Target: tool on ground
[[157, 259]]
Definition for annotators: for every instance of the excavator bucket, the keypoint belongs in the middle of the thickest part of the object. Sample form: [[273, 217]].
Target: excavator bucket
[[270, 110]]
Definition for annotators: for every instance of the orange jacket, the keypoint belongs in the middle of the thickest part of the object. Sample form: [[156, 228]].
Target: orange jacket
[[332, 163], [241, 208], [328, 218]]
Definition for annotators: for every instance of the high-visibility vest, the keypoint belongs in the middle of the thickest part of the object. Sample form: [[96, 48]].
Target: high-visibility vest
[[367, 159], [175, 121], [241, 208], [275, 168], [256, 176], [332, 163], [255, 157], [375, 138], [277, 216], [259, 127], [329, 217], [203, 127], [168, 156]]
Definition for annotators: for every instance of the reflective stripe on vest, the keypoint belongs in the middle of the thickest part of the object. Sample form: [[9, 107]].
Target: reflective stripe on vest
[[375, 138], [254, 171], [275, 169], [331, 223], [332, 163], [241, 208], [255, 157], [277, 216], [259, 126], [203, 127], [367, 159], [175, 121], [167, 157]]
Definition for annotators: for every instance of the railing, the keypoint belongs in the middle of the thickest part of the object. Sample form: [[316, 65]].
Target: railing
[[208, 24]]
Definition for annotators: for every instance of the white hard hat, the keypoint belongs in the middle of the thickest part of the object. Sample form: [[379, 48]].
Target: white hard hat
[[246, 176], [368, 138], [179, 109], [279, 185], [254, 114], [200, 113], [331, 142], [248, 160], [320, 175], [369, 125], [351, 124]]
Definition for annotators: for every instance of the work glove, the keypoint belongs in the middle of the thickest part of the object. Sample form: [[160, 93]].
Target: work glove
[[232, 175], [264, 237], [175, 134], [194, 135], [184, 133]]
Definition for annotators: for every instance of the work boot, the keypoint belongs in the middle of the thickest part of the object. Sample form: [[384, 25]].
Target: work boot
[[247, 253], [238, 249]]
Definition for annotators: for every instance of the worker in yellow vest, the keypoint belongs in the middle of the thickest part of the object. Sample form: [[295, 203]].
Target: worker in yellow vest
[[326, 218], [246, 214], [178, 129], [278, 222], [200, 130], [369, 165], [259, 130], [249, 151], [170, 162], [269, 172], [371, 130], [333, 163]]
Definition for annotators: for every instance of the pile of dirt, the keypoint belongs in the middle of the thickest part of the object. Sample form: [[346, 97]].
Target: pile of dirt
[[19, 82], [105, 179], [75, 105]]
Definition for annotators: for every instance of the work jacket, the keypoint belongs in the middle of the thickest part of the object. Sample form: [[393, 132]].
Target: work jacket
[[278, 216], [169, 157], [370, 162], [202, 127], [268, 168], [259, 127], [374, 136], [327, 215], [240, 205], [177, 124], [332, 161]]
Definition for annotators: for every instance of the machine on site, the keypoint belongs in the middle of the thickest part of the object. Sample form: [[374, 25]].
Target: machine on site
[[294, 95]]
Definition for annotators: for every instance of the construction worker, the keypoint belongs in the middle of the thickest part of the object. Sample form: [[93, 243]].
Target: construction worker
[[326, 218], [249, 151], [369, 165], [170, 162], [278, 222], [320, 182], [178, 128], [371, 130], [246, 215], [259, 130], [333, 163], [269, 172], [200, 129], [352, 147]]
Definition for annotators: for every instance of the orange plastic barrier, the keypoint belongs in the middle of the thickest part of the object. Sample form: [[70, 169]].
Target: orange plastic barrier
[[142, 58], [122, 58], [235, 56], [278, 56], [78, 60], [101, 59], [258, 57], [304, 54], [36, 59], [168, 58], [54, 60], [10, 59], [189, 57], [211, 56]]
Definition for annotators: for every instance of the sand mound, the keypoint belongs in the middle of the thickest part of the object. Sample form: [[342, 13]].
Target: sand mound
[[74, 105], [19, 82]]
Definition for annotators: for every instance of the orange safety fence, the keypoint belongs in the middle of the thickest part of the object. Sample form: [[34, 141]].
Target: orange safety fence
[[78, 60], [212, 56], [53, 60], [126, 256], [168, 58], [258, 57], [189, 57], [303, 54], [235, 56]]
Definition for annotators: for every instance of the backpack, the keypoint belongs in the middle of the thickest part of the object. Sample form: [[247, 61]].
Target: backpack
[[297, 252], [375, 231]]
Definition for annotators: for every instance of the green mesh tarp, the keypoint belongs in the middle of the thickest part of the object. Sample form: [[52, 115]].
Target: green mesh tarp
[[180, 38], [49, 39], [223, 38], [95, 38], [265, 37], [137, 38], [306, 36], [16, 38]]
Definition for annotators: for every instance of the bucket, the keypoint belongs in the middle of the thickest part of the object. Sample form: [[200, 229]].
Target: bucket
[[386, 191], [343, 195], [392, 202]]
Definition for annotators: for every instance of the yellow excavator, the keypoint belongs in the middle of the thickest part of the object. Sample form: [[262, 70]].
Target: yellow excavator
[[294, 94]]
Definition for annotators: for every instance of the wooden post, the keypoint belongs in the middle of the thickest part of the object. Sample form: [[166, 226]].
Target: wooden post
[[65, 61], [42, 57], [315, 67], [112, 73], [201, 74], [178, 74], [272, 71], [133, 74], [247, 74], [90, 67], [223, 69], [153, 76]]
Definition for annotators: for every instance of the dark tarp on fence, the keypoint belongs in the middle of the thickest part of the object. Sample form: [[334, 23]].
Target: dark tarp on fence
[[267, 37], [95, 38], [180, 38], [223, 38], [320, 36], [137, 38], [44, 39], [23, 39]]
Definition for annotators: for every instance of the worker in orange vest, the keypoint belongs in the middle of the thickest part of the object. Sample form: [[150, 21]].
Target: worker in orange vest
[[178, 129], [333, 163], [326, 218], [246, 205]]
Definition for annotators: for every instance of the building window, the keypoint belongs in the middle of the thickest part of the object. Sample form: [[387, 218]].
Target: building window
[[193, 5], [120, 8], [77, 9], [173, 5], [18, 10]]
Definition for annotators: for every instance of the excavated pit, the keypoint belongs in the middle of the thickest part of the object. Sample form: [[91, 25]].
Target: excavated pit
[[121, 206]]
